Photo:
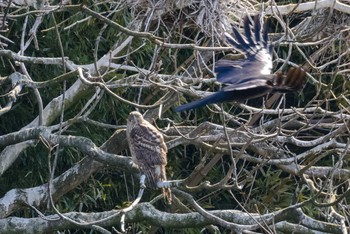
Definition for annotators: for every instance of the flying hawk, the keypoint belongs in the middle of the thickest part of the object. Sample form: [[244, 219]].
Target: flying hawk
[[250, 77], [148, 151]]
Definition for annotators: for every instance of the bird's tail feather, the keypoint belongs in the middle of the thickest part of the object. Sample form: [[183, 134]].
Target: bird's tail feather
[[294, 80], [167, 195]]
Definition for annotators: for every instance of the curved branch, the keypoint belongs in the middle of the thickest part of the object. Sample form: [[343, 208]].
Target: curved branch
[[35, 60]]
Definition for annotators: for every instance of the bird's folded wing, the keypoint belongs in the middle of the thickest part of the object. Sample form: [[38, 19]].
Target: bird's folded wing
[[149, 145]]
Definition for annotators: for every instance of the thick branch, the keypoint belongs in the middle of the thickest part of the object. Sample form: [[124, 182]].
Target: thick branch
[[146, 213]]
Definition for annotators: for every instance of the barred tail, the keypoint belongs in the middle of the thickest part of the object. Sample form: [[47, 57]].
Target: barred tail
[[294, 80], [166, 191], [167, 195]]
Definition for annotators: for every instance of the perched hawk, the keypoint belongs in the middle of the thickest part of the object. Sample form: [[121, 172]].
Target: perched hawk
[[148, 151], [250, 77]]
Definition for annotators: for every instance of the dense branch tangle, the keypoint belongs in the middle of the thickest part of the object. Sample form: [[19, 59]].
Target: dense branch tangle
[[275, 164]]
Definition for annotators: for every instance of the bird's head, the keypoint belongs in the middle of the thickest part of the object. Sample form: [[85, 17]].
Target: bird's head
[[135, 117]]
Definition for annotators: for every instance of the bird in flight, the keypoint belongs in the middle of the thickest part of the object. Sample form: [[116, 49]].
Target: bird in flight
[[250, 77], [148, 151]]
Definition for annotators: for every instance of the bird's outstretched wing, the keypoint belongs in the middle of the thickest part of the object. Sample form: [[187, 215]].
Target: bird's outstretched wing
[[250, 77], [257, 50]]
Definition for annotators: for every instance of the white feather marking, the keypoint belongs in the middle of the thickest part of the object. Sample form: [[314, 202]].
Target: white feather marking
[[267, 64], [158, 170]]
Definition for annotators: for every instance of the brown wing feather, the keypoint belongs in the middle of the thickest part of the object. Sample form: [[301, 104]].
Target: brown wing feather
[[150, 145]]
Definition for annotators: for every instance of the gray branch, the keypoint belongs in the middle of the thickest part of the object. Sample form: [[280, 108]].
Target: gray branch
[[148, 214]]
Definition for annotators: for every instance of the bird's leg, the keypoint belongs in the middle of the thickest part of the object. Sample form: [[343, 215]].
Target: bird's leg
[[142, 182]]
